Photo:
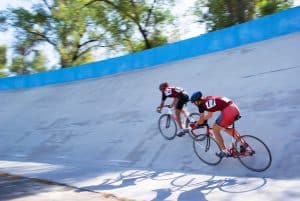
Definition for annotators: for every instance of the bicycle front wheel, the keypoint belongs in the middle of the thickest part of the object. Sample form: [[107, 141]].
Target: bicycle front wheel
[[257, 156], [206, 148], [167, 126], [192, 118]]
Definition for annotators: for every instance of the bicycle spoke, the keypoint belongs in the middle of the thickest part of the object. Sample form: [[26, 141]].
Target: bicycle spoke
[[257, 156], [167, 126], [168, 122], [206, 148]]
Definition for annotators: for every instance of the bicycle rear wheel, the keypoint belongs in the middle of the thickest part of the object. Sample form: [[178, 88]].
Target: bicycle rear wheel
[[206, 147], [167, 126], [257, 156]]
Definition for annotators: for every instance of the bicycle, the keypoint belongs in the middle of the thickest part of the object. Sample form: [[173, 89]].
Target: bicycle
[[167, 123], [251, 151]]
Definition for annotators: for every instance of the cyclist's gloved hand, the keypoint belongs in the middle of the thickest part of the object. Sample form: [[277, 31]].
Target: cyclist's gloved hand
[[158, 109], [193, 125]]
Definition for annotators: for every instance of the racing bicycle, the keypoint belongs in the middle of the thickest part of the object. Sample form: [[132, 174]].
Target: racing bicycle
[[167, 123], [251, 151]]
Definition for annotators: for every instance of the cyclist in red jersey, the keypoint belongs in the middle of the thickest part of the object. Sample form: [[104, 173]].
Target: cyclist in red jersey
[[229, 113], [180, 99]]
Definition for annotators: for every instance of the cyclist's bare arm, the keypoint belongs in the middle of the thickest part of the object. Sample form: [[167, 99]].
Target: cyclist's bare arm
[[204, 117], [208, 116], [158, 109]]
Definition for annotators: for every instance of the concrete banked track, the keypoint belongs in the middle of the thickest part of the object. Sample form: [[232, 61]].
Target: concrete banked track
[[101, 134]]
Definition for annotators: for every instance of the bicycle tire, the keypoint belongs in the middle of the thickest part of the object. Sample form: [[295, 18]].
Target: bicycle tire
[[192, 118], [258, 156], [196, 132], [167, 126], [205, 148]]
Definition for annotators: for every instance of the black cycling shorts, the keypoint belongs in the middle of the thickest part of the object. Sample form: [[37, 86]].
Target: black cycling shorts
[[182, 100]]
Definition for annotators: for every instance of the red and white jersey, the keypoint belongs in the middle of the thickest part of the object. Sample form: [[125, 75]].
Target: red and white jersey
[[214, 103], [172, 92]]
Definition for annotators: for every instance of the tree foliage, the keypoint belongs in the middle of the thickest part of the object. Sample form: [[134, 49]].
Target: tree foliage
[[3, 60], [18, 65], [36, 62], [267, 7], [134, 24], [74, 29], [22, 65], [62, 24], [218, 14]]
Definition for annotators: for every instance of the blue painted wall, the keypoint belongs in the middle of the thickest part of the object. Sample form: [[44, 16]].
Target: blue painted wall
[[264, 28]]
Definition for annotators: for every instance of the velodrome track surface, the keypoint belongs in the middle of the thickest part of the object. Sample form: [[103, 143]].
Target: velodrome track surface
[[101, 134]]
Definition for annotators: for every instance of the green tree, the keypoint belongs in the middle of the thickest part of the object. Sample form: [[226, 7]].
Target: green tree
[[267, 7], [38, 63], [218, 14], [21, 65], [134, 24], [3, 60], [62, 24], [18, 66], [75, 28], [26, 62]]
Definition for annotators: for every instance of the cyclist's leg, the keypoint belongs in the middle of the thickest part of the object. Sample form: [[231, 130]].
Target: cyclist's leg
[[185, 112], [234, 133], [217, 133], [178, 117], [229, 115], [223, 121], [182, 100], [181, 131]]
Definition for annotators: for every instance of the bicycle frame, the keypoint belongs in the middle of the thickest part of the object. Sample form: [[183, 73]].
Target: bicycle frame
[[170, 112], [173, 115], [208, 130], [208, 133], [232, 150], [206, 148]]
